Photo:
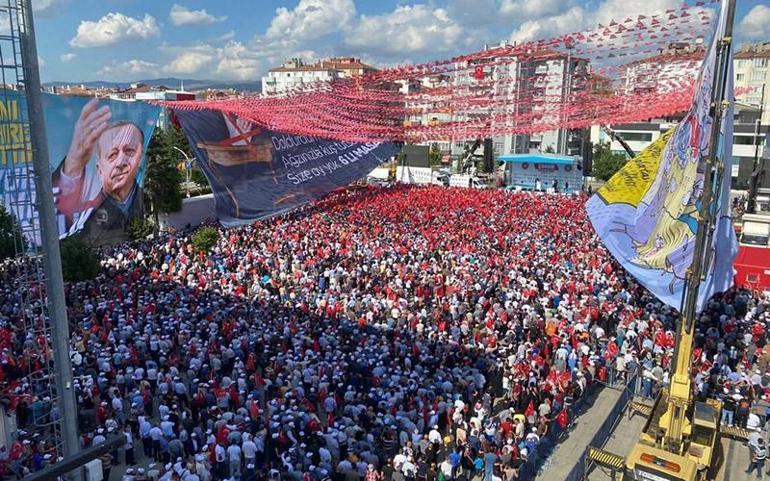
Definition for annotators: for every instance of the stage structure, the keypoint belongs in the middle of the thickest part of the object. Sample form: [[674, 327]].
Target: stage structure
[[541, 171]]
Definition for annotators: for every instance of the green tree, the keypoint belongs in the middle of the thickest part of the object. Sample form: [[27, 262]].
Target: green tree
[[11, 240], [205, 238], [435, 154], [549, 150], [78, 260], [140, 228], [199, 178], [605, 162], [162, 184]]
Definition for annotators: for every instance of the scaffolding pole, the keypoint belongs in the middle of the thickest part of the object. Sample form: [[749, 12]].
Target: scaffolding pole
[[49, 235]]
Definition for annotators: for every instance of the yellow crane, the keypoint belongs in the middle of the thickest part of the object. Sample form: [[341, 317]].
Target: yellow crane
[[681, 439]]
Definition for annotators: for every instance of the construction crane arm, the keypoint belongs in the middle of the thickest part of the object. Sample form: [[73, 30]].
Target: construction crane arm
[[466, 163], [617, 138]]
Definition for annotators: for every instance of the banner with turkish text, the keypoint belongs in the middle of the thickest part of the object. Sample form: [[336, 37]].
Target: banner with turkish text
[[256, 173]]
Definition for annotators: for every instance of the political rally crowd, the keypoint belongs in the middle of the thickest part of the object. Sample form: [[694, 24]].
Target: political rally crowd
[[385, 334]]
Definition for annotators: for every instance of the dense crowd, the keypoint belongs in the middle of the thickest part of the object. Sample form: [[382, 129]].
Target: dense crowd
[[395, 334]]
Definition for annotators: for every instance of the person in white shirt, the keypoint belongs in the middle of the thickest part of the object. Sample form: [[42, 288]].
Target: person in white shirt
[[220, 455], [249, 449], [234, 455], [434, 436], [753, 423], [155, 435], [129, 447]]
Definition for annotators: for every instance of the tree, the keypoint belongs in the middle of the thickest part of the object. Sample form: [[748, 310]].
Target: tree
[[435, 154], [205, 238], [199, 177], [11, 240], [162, 192], [140, 228], [605, 162], [549, 150], [78, 261]]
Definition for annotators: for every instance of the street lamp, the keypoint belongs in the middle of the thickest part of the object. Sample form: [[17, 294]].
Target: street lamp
[[187, 168]]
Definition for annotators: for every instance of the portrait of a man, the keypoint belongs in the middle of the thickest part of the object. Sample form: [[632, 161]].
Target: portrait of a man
[[112, 196]]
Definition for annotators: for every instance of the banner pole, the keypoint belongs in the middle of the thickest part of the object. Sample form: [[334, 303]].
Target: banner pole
[[49, 236]]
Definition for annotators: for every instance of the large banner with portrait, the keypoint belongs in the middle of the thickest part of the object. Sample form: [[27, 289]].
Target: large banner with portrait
[[96, 156], [256, 173]]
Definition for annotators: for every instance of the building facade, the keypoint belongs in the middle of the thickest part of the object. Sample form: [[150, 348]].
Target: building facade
[[296, 74], [752, 71], [747, 142]]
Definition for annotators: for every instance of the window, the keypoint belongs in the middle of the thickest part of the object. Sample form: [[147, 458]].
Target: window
[[755, 233], [760, 62], [498, 147], [747, 140], [702, 435], [636, 136], [739, 77], [757, 75], [460, 144]]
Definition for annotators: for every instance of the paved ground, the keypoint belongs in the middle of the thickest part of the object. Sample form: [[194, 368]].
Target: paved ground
[[736, 461], [620, 442], [569, 451]]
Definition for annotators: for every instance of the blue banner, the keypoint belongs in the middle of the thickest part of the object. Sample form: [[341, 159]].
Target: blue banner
[[256, 173], [96, 156]]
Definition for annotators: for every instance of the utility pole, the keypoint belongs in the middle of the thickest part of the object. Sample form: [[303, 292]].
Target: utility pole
[[756, 170], [187, 168], [49, 235], [566, 95]]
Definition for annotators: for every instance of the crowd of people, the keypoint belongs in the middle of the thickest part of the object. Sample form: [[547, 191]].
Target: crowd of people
[[383, 334]]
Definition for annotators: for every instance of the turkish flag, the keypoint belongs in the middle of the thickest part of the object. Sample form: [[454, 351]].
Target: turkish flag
[[530, 410], [562, 418]]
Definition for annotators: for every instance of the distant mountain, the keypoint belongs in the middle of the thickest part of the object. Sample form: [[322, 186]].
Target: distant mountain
[[170, 82]]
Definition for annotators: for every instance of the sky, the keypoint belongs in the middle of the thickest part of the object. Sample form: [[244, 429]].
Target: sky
[[125, 40]]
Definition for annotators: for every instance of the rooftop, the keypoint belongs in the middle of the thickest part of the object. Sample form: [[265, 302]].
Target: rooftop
[[753, 50], [335, 63]]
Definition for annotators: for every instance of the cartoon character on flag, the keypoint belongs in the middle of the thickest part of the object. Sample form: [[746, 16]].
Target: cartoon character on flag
[[648, 214]]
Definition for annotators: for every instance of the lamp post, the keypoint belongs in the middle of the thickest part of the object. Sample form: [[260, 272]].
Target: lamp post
[[188, 168]]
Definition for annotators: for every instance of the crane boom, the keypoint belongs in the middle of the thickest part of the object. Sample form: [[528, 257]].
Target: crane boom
[[617, 138], [680, 398], [681, 438]]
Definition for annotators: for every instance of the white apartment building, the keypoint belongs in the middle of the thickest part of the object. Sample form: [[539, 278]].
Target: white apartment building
[[548, 78], [752, 70], [296, 74]]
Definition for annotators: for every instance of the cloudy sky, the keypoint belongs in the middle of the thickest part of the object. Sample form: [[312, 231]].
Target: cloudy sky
[[123, 40]]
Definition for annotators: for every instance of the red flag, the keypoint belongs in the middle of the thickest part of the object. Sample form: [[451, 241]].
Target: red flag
[[530, 410], [562, 418]]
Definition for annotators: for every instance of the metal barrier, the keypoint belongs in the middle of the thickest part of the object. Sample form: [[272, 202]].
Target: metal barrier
[[548, 442]]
